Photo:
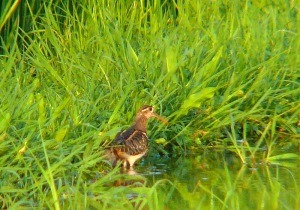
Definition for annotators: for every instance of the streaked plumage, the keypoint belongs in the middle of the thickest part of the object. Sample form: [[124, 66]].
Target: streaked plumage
[[132, 144]]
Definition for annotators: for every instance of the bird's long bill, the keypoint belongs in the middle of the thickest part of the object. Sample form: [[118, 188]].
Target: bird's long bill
[[164, 120]]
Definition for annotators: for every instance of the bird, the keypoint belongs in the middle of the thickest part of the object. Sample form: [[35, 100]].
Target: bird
[[132, 144]]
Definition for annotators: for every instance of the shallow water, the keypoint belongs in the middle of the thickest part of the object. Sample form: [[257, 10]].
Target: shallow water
[[218, 180]]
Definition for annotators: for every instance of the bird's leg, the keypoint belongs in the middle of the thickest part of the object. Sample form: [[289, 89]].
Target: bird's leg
[[131, 166], [124, 164], [131, 171]]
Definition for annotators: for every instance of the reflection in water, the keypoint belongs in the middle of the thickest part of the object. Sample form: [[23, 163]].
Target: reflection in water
[[220, 180], [131, 177]]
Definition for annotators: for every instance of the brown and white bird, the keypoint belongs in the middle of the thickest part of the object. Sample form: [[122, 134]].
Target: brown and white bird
[[132, 144]]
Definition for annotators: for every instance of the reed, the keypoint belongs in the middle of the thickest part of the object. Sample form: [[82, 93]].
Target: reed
[[224, 72]]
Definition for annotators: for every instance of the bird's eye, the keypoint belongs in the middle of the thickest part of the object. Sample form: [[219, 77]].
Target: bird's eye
[[150, 109]]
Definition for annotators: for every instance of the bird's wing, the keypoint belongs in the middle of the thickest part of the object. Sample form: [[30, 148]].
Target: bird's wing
[[137, 143], [122, 136], [131, 141]]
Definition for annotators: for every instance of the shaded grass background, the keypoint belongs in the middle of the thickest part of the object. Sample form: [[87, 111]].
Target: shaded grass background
[[73, 74]]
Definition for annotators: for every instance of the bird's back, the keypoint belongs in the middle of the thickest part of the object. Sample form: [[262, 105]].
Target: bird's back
[[131, 141]]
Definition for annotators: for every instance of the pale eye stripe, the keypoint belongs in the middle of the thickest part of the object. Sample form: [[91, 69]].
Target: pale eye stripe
[[150, 108]]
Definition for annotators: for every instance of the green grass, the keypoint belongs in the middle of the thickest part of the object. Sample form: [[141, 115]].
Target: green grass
[[74, 74]]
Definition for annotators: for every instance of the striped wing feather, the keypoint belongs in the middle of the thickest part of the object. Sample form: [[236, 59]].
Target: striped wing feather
[[131, 141]]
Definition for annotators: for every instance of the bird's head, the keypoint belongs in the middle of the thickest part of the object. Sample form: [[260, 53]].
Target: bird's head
[[147, 112]]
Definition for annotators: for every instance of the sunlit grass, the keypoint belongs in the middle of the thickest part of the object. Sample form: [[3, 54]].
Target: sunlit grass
[[224, 73]]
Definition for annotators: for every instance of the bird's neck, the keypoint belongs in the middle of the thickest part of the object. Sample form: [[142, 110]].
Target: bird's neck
[[141, 124]]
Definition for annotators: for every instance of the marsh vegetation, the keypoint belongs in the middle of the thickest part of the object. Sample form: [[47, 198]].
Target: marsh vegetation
[[226, 75]]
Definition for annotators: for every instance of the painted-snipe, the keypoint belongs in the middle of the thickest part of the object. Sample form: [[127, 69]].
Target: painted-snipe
[[132, 144]]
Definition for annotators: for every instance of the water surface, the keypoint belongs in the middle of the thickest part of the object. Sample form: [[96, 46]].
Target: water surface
[[218, 180]]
